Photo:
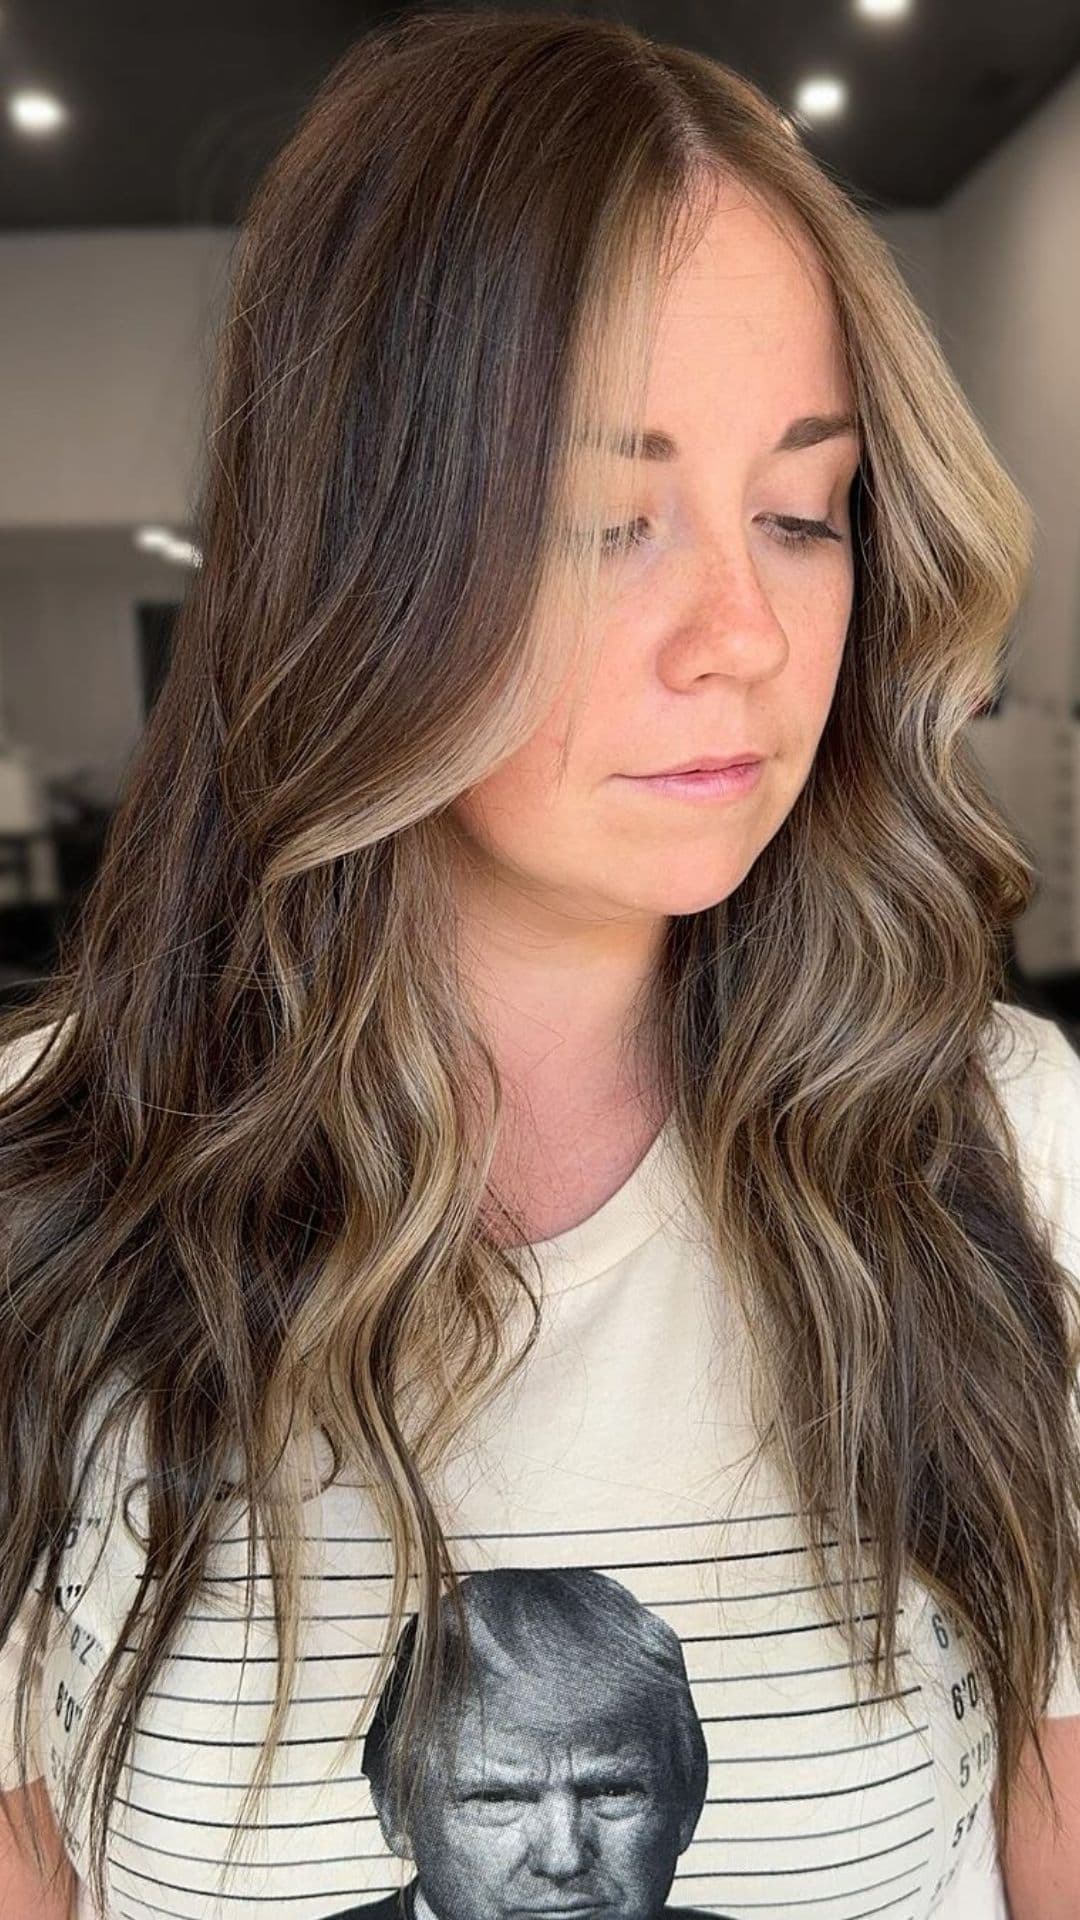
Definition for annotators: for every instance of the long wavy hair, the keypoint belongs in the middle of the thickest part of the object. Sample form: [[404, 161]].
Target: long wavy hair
[[245, 1183]]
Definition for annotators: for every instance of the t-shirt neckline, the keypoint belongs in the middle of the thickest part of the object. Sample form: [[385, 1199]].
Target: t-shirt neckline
[[649, 1195]]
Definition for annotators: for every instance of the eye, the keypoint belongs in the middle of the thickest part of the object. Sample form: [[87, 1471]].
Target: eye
[[620, 539], [790, 532], [803, 533]]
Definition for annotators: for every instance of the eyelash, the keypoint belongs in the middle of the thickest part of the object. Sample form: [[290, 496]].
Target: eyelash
[[794, 533]]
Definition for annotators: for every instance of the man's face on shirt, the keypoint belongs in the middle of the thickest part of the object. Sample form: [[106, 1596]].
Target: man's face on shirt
[[548, 1808]]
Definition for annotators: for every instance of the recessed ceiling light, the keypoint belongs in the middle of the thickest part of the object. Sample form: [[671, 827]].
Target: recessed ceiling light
[[820, 98], [35, 112], [883, 9]]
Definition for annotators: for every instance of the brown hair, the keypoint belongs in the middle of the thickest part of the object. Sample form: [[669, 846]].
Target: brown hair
[[242, 1189]]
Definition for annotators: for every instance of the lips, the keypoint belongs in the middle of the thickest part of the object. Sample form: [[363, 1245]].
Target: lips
[[709, 764]]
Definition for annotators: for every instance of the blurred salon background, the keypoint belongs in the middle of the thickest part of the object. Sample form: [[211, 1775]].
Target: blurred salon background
[[131, 137]]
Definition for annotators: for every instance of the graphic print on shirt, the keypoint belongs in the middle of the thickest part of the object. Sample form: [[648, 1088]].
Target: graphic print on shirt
[[575, 1775], [597, 1681]]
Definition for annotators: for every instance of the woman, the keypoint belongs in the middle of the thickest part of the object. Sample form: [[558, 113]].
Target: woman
[[538, 1343]]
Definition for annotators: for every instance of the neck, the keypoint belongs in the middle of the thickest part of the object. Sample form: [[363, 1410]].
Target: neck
[[558, 1000]]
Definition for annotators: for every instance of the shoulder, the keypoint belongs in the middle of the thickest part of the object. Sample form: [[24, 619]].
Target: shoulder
[[1031, 1056], [1036, 1070]]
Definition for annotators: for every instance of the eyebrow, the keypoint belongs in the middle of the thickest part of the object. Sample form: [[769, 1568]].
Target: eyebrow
[[807, 431]]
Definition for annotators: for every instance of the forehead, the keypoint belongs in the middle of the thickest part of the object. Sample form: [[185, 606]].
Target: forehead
[[747, 330], [585, 1746]]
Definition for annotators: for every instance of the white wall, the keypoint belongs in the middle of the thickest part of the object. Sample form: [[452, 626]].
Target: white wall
[[104, 347]]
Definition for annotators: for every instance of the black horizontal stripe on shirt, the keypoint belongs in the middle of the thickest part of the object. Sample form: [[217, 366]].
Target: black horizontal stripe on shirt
[[706, 1840], [713, 1800], [380, 1892], [706, 1720], [264, 1866], [364, 1653], [545, 1533], [597, 1566], [721, 1760], [852, 1893], [167, 1913], [682, 1600], [824, 1793], [376, 1893], [822, 1866], [339, 1699], [864, 1913]]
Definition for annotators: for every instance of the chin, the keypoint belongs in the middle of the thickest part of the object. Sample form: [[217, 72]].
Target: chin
[[673, 901]]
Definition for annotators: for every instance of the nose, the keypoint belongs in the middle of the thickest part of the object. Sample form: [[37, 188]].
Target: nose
[[558, 1849], [726, 626]]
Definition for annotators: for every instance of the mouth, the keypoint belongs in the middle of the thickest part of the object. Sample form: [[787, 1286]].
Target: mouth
[[739, 776], [708, 763]]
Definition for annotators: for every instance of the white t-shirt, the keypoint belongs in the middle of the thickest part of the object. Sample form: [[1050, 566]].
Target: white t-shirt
[[668, 1720]]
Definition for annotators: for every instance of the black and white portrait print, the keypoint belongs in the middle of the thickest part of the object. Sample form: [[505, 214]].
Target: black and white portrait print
[[572, 1778]]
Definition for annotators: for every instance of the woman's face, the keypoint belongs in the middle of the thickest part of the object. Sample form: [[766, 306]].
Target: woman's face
[[717, 636]]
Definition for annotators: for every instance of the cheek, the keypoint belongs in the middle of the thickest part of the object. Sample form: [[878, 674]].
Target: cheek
[[506, 805], [816, 677], [817, 651], [497, 811]]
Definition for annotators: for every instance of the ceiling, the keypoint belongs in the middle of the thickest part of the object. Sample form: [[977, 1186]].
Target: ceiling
[[175, 110]]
